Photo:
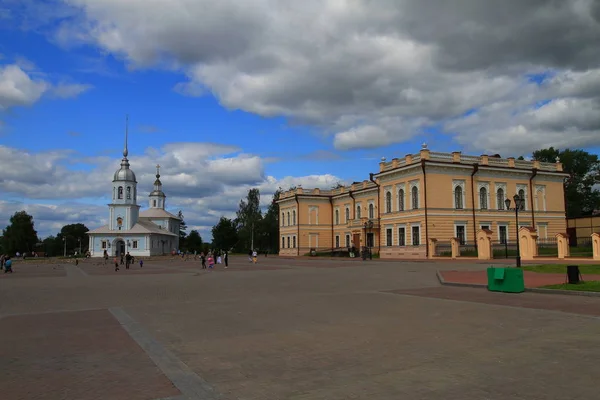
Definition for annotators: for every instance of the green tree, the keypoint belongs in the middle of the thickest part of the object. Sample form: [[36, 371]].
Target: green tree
[[193, 241], [182, 230], [52, 246], [20, 236], [248, 220], [74, 233], [583, 169], [270, 225], [225, 235]]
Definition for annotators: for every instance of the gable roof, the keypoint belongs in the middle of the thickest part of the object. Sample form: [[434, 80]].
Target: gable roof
[[142, 227], [157, 213]]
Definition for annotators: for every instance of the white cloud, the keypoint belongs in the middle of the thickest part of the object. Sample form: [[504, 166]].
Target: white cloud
[[20, 87], [205, 180], [351, 68]]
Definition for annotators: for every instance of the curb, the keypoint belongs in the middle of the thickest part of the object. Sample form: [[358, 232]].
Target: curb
[[532, 290]]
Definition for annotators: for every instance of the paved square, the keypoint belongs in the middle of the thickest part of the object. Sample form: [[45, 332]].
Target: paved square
[[292, 329]]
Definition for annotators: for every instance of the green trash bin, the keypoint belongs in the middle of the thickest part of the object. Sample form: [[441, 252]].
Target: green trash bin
[[508, 280]]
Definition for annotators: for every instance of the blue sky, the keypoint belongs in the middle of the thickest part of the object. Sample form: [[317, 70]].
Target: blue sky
[[227, 99]]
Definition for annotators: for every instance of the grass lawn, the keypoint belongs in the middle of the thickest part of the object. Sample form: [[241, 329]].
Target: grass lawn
[[562, 269], [591, 286]]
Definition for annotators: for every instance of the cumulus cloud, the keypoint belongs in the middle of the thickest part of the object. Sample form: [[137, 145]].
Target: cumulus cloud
[[369, 73], [21, 85], [204, 180]]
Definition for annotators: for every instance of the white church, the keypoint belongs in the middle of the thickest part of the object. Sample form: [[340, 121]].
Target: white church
[[154, 231]]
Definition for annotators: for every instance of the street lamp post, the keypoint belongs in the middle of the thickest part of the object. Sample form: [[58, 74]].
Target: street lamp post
[[518, 204], [369, 226], [65, 246]]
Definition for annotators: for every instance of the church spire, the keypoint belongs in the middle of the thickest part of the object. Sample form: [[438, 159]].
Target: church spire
[[125, 152]]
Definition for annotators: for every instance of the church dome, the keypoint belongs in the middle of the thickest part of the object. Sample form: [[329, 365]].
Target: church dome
[[124, 173]]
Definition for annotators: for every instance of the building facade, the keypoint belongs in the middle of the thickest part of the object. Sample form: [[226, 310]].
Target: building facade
[[580, 229], [153, 231], [424, 196]]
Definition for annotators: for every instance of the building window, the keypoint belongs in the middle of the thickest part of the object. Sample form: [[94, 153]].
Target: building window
[[503, 233], [128, 192], [500, 199], [104, 244], [371, 211], [402, 236], [120, 192], [294, 217], [458, 198], [401, 200], [337, 242], [114, 192], [282, 219], [283, 242], [416, 235], [415, 198], [289, 219], [370, 239], [135, 244], [460, 234], [483, 198], [337, 217], [485, 227], [347, 240], [153, 203], [288, 241], [388, 237], [388, 202], [523, 199], [294, 241], [119, 222], [358, 211], [347, 214]]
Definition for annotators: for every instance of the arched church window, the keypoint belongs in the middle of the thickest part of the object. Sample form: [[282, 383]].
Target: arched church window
[[120, 192], [128, 192], [153, 203], [119, 222], [114, 193]]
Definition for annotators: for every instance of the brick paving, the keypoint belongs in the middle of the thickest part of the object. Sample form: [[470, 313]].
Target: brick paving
[[80, 355], [532, 279], [292, 329]]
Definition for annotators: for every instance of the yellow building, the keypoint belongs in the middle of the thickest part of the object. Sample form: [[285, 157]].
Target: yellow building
[[580, 229], [424, 196]]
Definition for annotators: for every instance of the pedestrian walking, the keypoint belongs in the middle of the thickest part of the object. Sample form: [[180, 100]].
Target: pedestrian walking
[[211, 261], [226, 259], [116, 264], [254, 256], [141, 263], [8, 265], [250, 255], [127, 260], [203, 259], [122, 257]]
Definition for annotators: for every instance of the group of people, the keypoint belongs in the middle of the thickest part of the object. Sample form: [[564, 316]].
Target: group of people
[[211, 259], [5, 263]]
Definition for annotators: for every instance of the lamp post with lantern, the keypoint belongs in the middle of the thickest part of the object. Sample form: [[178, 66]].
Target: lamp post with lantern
[[518, 204]]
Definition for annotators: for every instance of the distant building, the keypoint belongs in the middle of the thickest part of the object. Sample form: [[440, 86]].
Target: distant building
[[424, 196], [150, 232], [580, 229]]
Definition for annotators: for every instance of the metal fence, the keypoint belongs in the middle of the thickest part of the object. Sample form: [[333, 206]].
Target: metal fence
[[547, 247], [443, 249], [504, 249]]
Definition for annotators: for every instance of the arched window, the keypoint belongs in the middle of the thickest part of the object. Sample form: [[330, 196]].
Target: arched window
[[401, 200], [458, 198], [358, 212], [500, 198], [128, 192], [388, 202], [347, 214], [114, 193], [483, 198], [282, 219], [337, 217], [289, 220], [293, 217], [415, 197], [283, 242], [523, 200], [120, 192], [153, 203], [371, 211]]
